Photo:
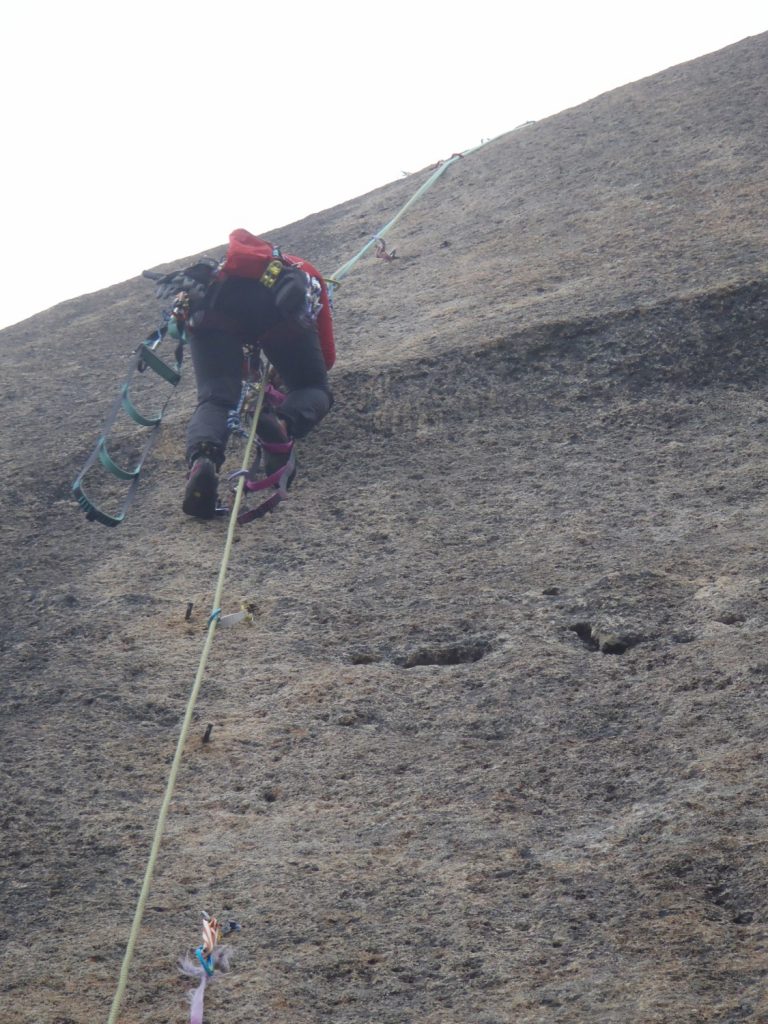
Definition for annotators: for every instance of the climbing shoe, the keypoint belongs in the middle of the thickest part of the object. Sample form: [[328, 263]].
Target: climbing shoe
[[202, 488]]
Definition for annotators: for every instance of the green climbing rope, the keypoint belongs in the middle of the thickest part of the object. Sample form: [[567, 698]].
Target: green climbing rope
[[345, 268]]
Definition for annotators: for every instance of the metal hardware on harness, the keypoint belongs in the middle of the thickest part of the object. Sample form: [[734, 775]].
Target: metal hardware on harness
[[271, 273]]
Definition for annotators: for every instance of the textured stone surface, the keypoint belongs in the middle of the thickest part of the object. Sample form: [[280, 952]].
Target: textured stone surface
[[493, 748]]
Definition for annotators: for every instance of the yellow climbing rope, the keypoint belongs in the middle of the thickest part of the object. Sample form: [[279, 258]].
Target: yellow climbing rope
[[186, 724]]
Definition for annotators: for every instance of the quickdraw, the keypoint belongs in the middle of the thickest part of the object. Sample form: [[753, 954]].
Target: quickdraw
[[452, 157], [252, 372], [381, 250], [207, 957]]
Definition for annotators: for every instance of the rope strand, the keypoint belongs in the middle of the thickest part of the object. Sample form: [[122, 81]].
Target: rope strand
[[213, 622]]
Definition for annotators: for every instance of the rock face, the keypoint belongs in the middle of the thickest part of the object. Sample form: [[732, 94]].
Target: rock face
[[493, 748]]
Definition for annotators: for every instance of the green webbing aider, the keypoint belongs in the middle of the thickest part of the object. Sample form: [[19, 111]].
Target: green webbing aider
[[144, 358]]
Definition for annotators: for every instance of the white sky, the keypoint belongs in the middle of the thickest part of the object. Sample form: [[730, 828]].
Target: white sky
[[138, 133]]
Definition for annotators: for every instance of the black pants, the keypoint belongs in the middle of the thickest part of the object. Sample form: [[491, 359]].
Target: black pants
[[217, 354]]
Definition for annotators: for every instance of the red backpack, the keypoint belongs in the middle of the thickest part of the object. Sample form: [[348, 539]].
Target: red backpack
[[249, 256]]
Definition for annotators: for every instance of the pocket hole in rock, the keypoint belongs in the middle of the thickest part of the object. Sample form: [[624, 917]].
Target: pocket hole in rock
[[446, 654]]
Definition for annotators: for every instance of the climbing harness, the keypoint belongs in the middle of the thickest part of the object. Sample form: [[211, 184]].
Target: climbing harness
[[296, 283], [255, 381]]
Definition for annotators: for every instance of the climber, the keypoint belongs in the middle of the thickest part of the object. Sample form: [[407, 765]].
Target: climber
[[256, 296]]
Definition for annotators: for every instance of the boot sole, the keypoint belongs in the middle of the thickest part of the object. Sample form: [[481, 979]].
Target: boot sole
[[200, 495]]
